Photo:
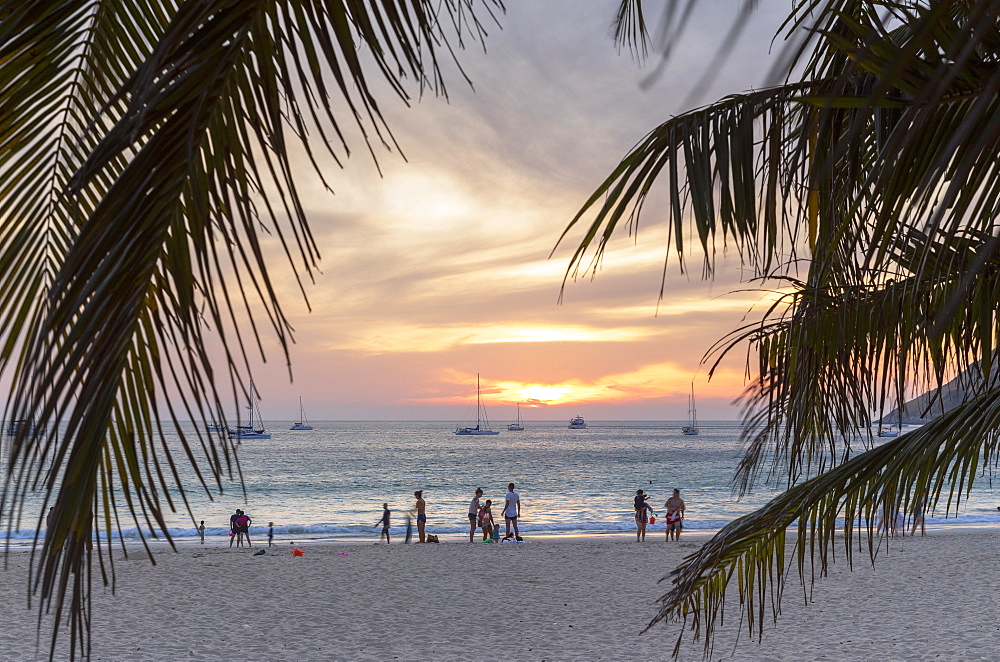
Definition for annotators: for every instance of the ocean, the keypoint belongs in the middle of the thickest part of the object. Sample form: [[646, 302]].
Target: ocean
[[329, 483]]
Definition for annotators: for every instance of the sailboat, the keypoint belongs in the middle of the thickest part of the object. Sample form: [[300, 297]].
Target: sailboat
[[892, 430], [516, 425], [482, 423], [250, 430], [692, 426], [303, 423]]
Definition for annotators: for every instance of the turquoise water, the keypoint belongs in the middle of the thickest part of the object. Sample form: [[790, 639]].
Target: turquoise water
[[330, 482]]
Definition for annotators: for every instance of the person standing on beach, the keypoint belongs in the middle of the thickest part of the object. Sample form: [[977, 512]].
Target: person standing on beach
[[243, 523], [642, 511], [474, 514], [232, 526], [675, 515], [420, 508], [201, 531], [386, 514], [512, 511], [270, 533]]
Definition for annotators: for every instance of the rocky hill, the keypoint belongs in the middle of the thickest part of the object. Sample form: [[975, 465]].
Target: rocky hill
[[953, 393]]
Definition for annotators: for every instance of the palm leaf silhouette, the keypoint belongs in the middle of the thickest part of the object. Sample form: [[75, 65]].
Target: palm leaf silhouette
[[147, 155], [864, 182]]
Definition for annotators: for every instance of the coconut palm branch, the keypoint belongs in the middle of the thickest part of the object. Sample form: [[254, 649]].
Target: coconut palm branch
[[866, 189], [148, 152], [930, 468]]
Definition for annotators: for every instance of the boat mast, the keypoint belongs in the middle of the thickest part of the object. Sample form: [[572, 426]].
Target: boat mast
[[694, 408], [251, 404]]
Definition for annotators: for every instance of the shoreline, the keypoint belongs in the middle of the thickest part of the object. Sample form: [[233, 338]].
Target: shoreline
[[652, 537], [656, 535]]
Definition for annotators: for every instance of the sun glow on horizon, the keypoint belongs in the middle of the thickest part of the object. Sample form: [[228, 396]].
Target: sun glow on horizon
[[543, 394]]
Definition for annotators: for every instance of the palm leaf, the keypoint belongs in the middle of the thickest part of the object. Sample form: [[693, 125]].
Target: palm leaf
[[869, 183], [933, 467], [146, 151]]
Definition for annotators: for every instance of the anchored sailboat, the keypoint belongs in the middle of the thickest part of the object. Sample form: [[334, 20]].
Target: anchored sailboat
[[692, 426], [251, 430], [482, 423], [516, 425], [303, 423]]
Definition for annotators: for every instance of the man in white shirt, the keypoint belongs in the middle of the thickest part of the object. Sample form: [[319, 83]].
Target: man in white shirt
[[512, 510]]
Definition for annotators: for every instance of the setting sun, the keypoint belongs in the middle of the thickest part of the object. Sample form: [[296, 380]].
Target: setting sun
[[543, 393]]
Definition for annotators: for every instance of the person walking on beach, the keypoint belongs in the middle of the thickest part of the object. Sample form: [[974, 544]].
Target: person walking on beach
[[420, 507], [474, 514], [675, 515], [512, 511], [642, 511], [386, 514], [270, 533], [201, 531], [485, 517], [232, 526]]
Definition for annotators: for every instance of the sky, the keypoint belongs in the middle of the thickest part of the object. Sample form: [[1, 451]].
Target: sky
[[437, 267]]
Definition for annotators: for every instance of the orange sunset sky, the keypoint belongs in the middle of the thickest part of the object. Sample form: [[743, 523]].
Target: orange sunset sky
[[439, 269]]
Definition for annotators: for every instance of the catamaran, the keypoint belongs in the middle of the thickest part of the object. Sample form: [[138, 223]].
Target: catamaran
[[692, 426], [303, 424], [250, 430], [516, 425], [482, 423]]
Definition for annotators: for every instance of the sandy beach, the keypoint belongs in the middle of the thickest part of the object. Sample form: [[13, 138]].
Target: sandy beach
[[931, 598]]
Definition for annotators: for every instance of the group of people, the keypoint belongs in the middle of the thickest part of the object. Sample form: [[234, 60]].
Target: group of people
[[480, 517], [239, 526], [644, 515]]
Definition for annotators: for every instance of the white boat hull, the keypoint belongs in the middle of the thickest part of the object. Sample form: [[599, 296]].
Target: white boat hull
[[474, 431], [689, 430], [300, 426], [249, 435]]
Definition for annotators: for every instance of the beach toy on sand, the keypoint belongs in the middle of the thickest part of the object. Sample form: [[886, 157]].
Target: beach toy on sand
[[298, 552]]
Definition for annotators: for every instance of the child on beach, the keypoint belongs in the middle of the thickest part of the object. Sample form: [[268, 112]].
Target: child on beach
[[485, 517], [201, 531]]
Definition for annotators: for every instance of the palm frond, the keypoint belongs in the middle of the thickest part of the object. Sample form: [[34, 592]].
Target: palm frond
[[868, 183], [932, 467], [146, 152]]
